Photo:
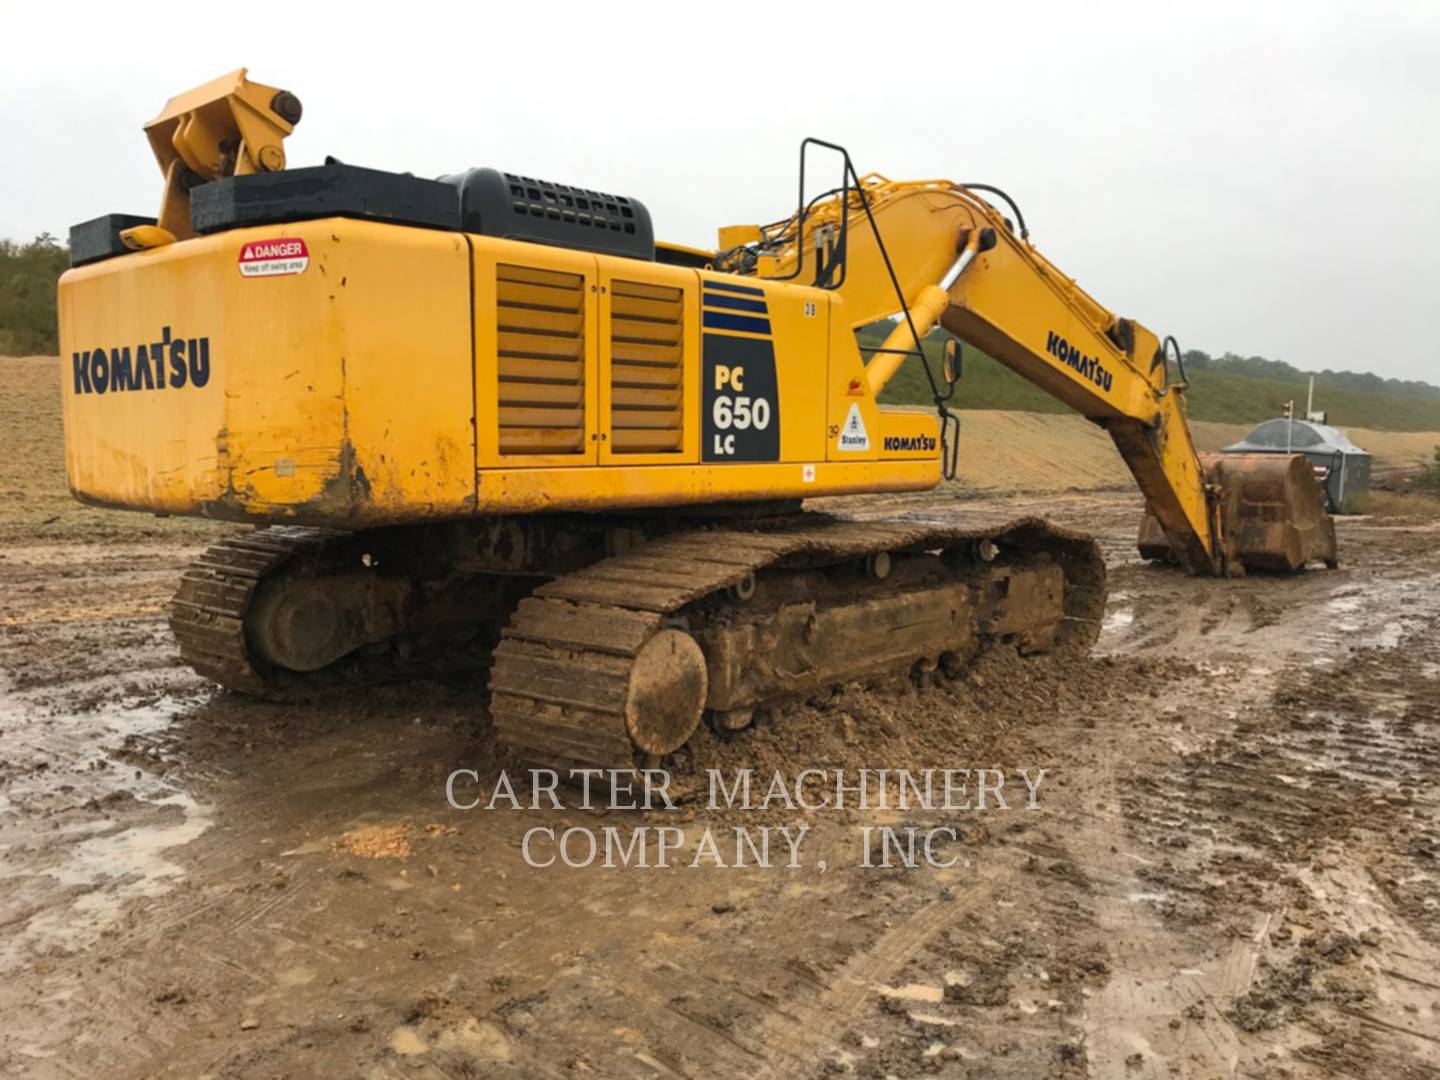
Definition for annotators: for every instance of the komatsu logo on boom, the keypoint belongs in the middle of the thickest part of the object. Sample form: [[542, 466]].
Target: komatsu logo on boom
[[1088, 367], [168, 364]]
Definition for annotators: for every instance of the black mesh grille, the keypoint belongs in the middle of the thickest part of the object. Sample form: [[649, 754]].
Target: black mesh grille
[[576, 206], [495, 203]]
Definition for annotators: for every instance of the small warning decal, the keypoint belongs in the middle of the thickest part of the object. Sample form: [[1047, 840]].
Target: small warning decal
[[274, 258], [807, 474], [853, 435]]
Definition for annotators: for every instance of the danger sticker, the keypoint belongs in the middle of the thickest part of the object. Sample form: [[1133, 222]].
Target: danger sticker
[[274, 258]]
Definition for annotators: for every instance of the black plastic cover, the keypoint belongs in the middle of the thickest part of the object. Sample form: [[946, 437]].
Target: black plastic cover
[[494, 203], [334, 190], [99, 238], [483, 201]]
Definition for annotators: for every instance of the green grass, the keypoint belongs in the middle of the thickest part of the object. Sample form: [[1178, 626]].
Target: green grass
[[1214, 395]]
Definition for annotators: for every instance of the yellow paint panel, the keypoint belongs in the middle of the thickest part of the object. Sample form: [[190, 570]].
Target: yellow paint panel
[[408, 384], [916, 434], [348, 394], [345, 383], [584, 488], [798, 318], [846, 389]]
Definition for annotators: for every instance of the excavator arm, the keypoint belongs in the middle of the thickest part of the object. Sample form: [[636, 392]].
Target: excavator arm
[[939, 254]]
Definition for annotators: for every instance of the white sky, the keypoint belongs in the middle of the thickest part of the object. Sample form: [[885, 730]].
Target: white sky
[[1257, 177]]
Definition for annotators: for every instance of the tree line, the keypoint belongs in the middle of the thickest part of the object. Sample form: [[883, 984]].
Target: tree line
[[1261, 368], [28, 273], [1255, 367]]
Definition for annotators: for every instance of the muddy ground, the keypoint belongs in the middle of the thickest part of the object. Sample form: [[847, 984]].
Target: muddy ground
[[1230, 869]]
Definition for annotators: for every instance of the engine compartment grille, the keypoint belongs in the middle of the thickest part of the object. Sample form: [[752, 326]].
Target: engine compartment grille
[[647, 368], [540, 360]]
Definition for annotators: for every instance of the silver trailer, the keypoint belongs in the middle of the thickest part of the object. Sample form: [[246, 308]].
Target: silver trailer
[[1342, 468]]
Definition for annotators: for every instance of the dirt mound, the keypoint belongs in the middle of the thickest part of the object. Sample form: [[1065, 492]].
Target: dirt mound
[[35, 500], [987, 715]]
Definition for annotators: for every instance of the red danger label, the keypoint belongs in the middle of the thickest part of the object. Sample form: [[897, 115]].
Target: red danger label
[[272, 258]]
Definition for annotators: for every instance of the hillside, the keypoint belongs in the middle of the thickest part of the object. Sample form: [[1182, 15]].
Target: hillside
[[1007, 451], [1219, 396]]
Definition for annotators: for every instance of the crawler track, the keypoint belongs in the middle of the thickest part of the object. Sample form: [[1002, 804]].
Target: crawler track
[[614, 662], [207, 615], [213, 612], [564, 682]]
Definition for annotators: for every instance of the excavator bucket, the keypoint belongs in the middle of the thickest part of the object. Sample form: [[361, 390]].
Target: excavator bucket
[[1272, 514]]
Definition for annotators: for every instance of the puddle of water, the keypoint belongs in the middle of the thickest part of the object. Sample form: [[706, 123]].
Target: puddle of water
[[103, 863], [135, 855], [114, 868], [1117, 620], [1381, 617], [1146, 897]]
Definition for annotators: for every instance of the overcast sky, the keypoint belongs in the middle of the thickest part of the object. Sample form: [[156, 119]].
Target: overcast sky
[[1256, 177]]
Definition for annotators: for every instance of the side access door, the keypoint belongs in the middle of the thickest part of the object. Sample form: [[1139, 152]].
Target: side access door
[[536, 356], [649, 384]]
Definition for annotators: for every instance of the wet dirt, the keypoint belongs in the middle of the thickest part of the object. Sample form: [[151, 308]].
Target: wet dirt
[[1230, 869], [1241, 776]]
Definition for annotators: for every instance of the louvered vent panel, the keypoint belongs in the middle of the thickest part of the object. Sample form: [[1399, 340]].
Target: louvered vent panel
[[541, 361], [647, 366]]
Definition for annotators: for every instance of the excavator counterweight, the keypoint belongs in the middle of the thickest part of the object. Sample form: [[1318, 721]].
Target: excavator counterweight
[[488, 422]]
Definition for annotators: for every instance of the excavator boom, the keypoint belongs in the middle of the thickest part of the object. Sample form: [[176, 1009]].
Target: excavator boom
[[957, 262]]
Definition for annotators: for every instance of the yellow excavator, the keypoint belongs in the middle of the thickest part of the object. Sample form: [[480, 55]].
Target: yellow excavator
[[487, 421]]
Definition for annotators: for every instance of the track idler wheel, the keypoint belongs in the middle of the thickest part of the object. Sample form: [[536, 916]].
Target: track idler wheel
[[668, 683], [303, 625]]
